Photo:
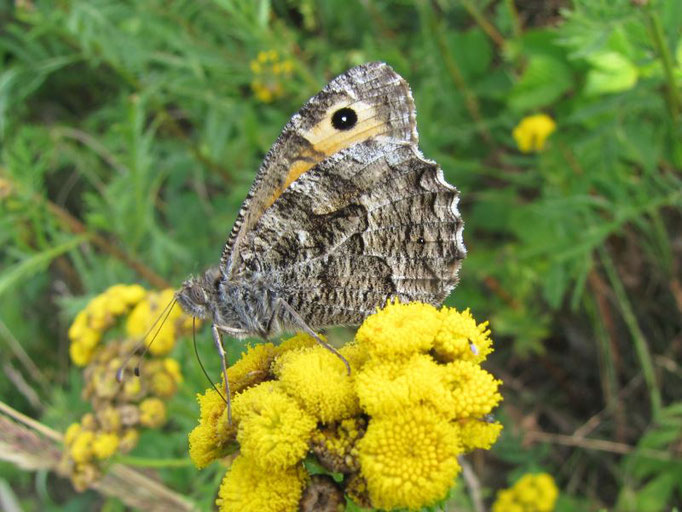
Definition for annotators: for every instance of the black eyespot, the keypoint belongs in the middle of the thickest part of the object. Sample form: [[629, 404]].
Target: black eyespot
[[344, 119], [420, 240]]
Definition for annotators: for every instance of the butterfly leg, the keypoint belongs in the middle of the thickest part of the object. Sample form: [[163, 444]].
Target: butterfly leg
[[283, 305], [218, 340]]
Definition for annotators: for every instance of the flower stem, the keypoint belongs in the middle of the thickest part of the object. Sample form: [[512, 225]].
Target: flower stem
[[666, 59], [146, 462], [638, 338]]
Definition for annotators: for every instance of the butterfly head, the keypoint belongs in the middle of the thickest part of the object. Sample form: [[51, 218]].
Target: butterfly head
[[197, 296]]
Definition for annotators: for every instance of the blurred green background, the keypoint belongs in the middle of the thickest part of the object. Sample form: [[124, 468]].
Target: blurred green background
[[131, 131]]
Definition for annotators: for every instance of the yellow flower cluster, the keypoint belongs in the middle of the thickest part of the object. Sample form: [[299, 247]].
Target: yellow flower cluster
[[269, 72], [143, 316], [416, 399], [532, 132], [99, 315], [532, 493], [120, 409]]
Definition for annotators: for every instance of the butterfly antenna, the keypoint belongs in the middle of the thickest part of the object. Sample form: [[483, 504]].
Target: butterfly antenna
[[164, 314], [201, 365], [168, 310]]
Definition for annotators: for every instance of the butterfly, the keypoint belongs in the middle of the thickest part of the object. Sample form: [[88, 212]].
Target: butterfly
[[344, 214]]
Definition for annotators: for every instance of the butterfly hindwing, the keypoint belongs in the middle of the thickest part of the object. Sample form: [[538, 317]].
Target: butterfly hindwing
[[373, 221]]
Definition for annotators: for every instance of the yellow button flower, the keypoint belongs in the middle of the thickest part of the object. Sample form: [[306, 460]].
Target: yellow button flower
[[211, 438], [532, 493], [268, 75], [410, 459], [478, 434], [273, 430], [71, 433], [128, 440], [399, 329], [172, 367], [81, 447], [249, 488], [252, 368], [105, 445], [335, 447], [473, 391], [80, 353], [460, 337], [152, 412], [385, 387], [319, 381], [532, 132], [300, 340]]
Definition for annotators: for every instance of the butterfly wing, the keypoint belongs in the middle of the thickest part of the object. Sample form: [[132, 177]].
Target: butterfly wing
[[373, 221], [381, 103]]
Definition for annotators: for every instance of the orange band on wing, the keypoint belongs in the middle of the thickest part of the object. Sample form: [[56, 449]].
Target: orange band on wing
[[326, 140]]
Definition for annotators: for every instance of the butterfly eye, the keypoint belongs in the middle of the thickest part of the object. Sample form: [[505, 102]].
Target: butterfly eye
[[344, 119], [198, 294]]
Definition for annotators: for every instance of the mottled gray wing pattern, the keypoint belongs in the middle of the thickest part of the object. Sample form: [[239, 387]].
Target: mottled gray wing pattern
[[383, 102], [373, 221]]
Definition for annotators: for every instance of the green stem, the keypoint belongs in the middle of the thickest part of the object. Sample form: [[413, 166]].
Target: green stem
[[514, 13], [485, 25], [153, 463], [667, 61], [470, 100], [638, 338]]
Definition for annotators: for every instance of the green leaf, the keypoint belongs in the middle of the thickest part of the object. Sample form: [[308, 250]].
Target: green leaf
[[35, 263], [544, 80], [610, 72]]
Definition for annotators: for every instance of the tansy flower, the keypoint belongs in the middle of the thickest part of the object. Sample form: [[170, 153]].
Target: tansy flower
[[409, 459], [478, 434], [84, 475], [81, 446], [172, 367], [128, 440], [71, 433], [105, 445], [117, 406], [472, 391], [269, 72], [163, 384], [335, 445], [532, 493], [273, 430], [208, 442], [152, 412], [109, 418], [399, 329], [319, 381], [252, 367], [387, 386], [80, 353], [532, 132], [299, 340], [146, 313], [460, 337], [416, 399], [86, 330], [249, 488]]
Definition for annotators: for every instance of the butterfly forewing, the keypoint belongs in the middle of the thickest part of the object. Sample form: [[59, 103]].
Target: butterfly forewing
[[366, 102]]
